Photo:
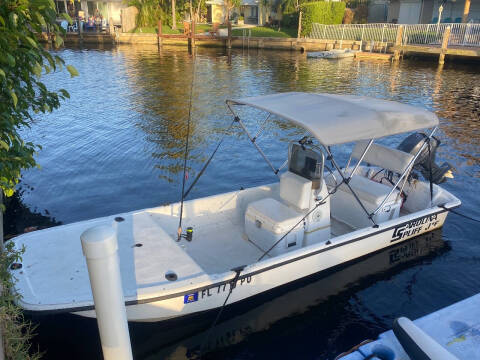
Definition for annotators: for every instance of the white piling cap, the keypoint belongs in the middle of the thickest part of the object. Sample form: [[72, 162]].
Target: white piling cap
[[99, 242]]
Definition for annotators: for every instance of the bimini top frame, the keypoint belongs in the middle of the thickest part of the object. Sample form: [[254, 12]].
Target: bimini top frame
[[338, 119]]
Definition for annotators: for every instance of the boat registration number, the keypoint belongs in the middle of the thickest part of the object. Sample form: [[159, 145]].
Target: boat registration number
[[211, 291]]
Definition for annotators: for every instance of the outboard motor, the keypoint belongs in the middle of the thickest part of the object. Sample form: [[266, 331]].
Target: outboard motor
[[412, 144]]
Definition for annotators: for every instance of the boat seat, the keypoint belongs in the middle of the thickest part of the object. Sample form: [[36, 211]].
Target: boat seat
[[295, 190], [387, 158], [345, 207], [368, 190]]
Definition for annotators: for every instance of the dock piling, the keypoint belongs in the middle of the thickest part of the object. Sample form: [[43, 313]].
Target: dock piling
[[159, 34], [100, 248], [229, 35], [398, 42], [446, 36]]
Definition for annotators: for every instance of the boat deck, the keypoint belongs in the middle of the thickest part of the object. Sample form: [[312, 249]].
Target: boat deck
[[147, 251], [455, 327]]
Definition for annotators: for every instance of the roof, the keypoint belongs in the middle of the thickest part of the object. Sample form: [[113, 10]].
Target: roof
[[339, 119]]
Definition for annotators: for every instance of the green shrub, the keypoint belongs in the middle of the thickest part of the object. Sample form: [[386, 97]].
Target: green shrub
[[290, 20], [322, 12], [149, 12]]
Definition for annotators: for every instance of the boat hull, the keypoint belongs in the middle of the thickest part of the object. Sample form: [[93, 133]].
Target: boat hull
[[278, 272]]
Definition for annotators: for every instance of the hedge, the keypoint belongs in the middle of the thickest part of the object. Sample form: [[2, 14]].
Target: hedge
[[322, 12]]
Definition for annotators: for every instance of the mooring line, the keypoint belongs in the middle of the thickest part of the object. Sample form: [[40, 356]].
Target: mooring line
[[458, 213], [233, 284]]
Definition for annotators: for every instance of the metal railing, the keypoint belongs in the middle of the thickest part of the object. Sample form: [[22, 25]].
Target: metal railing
[[419, 34]]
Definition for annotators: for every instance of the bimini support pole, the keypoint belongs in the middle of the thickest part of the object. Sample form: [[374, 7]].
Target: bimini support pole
[[100, 247], [410, 165], [360, 160], [253, 140], [347, 180]]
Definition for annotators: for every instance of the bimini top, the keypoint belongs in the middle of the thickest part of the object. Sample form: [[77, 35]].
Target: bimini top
[[339, 119]]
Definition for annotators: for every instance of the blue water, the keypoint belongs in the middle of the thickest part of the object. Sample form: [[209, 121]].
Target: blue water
[[117, 145]]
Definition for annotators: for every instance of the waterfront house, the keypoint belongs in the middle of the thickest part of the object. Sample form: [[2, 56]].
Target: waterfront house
[[107, 9], [423, 11], [255, 12]]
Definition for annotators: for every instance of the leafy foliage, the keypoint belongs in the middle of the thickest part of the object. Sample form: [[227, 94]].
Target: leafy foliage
[[323, 12], [15, 330], [22, 94], [149, 12]]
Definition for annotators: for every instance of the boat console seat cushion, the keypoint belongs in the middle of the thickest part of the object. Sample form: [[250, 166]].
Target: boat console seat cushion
[[344, 206], [368, 190], [295, 190], [382, 156]]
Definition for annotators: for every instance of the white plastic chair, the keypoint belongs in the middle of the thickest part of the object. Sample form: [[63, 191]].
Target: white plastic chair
[[64, 25]]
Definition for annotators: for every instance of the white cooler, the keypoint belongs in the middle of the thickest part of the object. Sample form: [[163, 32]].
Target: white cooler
[[267, 220]]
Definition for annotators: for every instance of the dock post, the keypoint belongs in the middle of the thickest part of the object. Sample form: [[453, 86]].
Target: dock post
[[192, 32], [229, 35], [398, 42], [111, 30], [100, 248], [160, 33], [443, 51]]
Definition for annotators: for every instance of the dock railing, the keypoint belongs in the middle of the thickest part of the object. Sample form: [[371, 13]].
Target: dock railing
[[415, 34]]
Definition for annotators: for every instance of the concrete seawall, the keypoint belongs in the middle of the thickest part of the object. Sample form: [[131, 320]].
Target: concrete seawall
[[276, 43]]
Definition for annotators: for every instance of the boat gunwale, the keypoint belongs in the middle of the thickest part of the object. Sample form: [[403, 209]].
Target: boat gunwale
[[454, 203]]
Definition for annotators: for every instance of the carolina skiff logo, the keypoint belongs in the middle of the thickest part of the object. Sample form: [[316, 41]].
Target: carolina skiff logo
[[415, 227]]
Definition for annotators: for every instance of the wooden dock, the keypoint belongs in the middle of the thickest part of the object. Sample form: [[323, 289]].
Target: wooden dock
[[442, 50], [437, 50], [365, 55]]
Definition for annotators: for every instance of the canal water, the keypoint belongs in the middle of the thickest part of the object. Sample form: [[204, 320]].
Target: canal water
[[117, 145]]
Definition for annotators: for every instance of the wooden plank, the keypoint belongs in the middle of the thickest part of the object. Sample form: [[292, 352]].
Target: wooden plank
[[372, 56]]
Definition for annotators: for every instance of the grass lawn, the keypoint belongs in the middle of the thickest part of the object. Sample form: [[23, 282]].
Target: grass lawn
[[261, 31], [258, 31], [166, 29]]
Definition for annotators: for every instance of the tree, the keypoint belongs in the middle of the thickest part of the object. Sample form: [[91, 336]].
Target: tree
[[229, 6], [23, 60], [174, 16]]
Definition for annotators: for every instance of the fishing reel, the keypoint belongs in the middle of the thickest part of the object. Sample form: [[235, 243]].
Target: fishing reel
[[187, 236]]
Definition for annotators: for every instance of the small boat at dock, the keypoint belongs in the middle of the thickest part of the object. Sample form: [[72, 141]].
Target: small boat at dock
[[242, 244], [451, 333]]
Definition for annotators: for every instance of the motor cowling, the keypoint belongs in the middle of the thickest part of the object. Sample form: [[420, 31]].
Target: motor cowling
[[412, 144]]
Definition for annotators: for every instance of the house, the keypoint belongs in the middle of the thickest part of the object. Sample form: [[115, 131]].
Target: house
[[253, 11], [423, 11], [107, 9]]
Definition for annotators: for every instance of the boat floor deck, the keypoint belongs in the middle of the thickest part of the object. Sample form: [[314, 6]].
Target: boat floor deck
[[222, 245], [147, 251]]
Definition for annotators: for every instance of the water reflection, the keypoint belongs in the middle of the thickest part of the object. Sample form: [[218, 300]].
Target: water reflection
[[297, 307], [117, 145], [123, 131]]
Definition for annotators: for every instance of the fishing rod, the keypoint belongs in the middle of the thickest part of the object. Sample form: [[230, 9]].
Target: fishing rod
[[189, 230]]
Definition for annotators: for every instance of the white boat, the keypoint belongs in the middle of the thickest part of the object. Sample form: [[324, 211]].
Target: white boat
[[332, 54], [253, 241]]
